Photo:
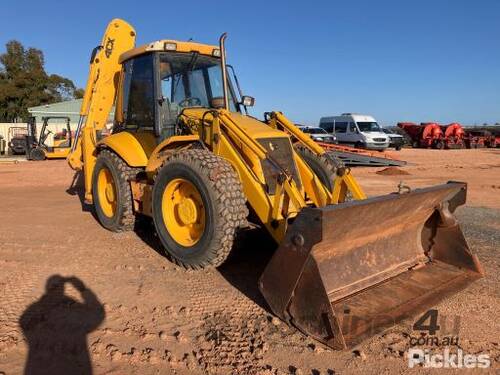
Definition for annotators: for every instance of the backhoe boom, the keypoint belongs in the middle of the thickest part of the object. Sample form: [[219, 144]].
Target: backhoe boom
[[99, 97]]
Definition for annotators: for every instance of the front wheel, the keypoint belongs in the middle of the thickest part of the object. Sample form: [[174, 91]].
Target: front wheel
[[37, 154], [198, 205], [325, 167]]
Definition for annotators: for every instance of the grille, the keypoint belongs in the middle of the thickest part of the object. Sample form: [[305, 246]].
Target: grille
[[379, 139], [280, 150], [18, 143]]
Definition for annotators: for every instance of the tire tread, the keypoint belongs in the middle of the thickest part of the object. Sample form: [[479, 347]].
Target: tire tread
[[126, 173], [223, 181]]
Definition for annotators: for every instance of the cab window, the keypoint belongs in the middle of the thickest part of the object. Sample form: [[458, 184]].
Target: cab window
[[192, 80], [138, 93], [340, 127], [327, 126]]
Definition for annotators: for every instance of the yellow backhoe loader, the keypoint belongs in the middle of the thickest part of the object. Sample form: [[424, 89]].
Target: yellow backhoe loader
[[185, 152]]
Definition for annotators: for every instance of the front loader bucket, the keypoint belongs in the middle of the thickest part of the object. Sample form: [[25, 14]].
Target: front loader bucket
[[348, 271]]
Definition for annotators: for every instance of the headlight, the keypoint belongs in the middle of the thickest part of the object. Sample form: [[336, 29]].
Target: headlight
[[168, 46]]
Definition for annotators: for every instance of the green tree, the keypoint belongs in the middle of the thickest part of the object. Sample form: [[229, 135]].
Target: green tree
[[24, 83], [79, 93]]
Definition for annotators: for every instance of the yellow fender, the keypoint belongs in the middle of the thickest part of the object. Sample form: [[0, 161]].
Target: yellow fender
[[133, 148], [158, 155]]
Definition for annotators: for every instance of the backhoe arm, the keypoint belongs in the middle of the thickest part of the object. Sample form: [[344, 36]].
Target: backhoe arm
[[99, 97]]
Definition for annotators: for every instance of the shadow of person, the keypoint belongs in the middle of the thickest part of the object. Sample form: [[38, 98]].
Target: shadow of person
[[56, 328]]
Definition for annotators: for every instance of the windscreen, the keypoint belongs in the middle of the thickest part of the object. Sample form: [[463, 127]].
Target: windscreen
[[368, 127], [192, 80], [314, 131]]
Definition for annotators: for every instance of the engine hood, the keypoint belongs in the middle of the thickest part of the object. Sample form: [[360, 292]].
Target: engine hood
[[250, 125]]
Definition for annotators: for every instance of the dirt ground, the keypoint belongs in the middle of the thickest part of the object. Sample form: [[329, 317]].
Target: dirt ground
[[75, 296]]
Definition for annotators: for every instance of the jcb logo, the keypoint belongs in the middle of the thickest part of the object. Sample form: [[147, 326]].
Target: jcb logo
[[108, 48]]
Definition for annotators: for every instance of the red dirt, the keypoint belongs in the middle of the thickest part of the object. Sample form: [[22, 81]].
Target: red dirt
[[138, 313], [480, 168], [392, 171]]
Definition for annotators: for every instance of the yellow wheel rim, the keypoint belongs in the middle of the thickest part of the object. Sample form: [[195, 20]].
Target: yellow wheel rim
[[106, 191], [183, 212]]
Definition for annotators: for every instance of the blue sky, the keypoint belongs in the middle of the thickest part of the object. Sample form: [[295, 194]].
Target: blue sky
[[397, 60]]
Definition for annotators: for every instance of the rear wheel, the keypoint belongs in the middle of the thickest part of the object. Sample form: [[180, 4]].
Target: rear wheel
[[198, 205], [112, 193]]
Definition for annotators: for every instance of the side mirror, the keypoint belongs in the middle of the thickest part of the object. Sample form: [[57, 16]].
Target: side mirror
[[247, 101]]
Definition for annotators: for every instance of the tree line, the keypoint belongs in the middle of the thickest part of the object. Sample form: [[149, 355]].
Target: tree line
[[24, 83]]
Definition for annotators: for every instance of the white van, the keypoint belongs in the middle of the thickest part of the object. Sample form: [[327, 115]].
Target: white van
[[355, 129]]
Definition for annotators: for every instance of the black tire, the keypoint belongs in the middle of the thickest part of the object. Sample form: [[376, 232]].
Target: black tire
[[37, 154], [415, 144], [398, 147], [324, 166], [439, 145], [124, 217], [224, 205]]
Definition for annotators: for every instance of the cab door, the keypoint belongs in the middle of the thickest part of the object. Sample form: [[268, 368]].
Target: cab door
[[137, 105]]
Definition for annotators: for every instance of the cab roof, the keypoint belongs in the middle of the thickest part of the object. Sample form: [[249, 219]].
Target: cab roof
[[171, 46]]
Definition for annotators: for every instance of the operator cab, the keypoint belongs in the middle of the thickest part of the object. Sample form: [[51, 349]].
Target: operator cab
[[160, 80]]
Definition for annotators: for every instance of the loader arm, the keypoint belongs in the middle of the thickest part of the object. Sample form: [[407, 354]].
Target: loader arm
[[223, 133], [224, 137], [344, 180], [99, 97]]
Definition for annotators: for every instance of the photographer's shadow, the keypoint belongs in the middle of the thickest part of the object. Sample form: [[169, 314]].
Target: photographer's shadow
[[56, 328]]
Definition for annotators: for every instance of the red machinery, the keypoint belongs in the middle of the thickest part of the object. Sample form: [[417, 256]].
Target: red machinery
[[454, 135], [428, 134], [480, 138]]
